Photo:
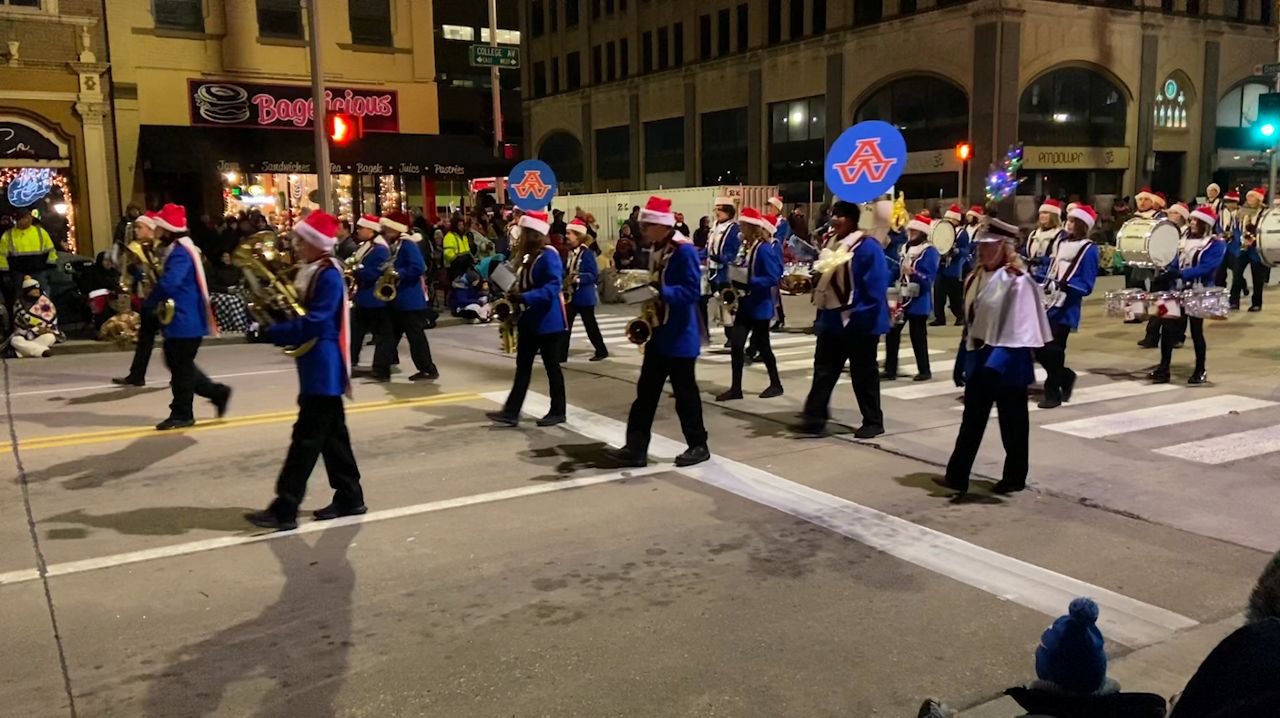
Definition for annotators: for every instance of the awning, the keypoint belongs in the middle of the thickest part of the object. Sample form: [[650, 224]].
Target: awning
[[200, 150]]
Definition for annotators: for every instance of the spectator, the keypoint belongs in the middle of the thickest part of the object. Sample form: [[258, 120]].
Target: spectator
[[205, 237], [225, 297], [346, 243], [633, 222], [593, 227], [702, 233], [420, 223], [454, 242], [26, 249], [100, 282], [131, 213], [798, 223], [35, 322], [558, 225], [624, 255], [681, 227]]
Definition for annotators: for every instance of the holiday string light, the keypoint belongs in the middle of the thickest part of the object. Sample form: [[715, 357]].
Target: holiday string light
[[390, 195], [60, 183], [1003, 181], [344, 197]]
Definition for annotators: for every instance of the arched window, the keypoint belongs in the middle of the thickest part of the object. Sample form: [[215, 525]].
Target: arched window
[[1072, 106], [563, 152], [932, 113], [1239, 107], [1173, 100]]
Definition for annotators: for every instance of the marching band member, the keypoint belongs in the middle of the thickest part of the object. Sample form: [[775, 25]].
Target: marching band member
[[782, 228], [1247, 222], [582, 272], [919, 268], [673, 349], [1005, 322], [1150, 204], [781, 235], [1038, 249], [973, 223], [1196, 265], [760, 271], [948, 290], [144, 230], [408, 311], [1071, 278], [324, 376], [1213, 198], [852, 316], [722, 249], [538, 295], [369, 313], [182, 280], [1227, 229], [1178, 215]]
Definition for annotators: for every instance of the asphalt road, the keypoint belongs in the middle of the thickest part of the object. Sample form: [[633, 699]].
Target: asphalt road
[[506, 572]]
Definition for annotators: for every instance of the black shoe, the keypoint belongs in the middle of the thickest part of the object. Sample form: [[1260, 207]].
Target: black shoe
[[888, 376], [128, 381], [751, 358], [868, 431], [1050, 402], [778, 327], [810, 429], [958, 322], [1255, 309], [1200, 376], [551, 420], [926, 376], [172, 423], [938, 323], [1148, 344], [268, 520], [333, 511], [1178, 345], [599, 357], [1068, 385], [729, 395], [426, 375], [942, 481], [625, 457], [1134, 321], [1159, 376], [1233, 306], [502, 418], [1245, 292], [380, 378], [772, 391], [220, 402], [1002, 487], [693, 455]]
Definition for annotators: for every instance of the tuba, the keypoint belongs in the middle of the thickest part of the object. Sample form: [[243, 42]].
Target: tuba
[[140, 257], [271, 297]]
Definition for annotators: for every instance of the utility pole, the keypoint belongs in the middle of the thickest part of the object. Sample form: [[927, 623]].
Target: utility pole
[[495, 81], [310, 7]]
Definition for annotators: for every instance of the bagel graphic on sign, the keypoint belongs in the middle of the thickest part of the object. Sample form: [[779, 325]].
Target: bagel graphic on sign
[[223, 104]]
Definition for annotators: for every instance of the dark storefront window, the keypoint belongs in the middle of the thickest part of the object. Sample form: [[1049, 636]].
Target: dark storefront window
[[555, 75], [179, 15], [664, 145], [564, 152], [797, 140], [1072, 106], [597, 65], [724, 147], [553, 12], [280, 19], [678, 41], [370, 22], [906, 7], [613, 153], [646, 52], [664, 48], [539, 79], [537, 25], [932, 114]]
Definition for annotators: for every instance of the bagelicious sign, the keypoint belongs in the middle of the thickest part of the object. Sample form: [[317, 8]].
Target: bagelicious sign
[[286, 107], [865, 161]]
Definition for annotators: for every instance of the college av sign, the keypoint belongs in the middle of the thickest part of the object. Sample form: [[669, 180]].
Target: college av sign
[[220, 103]]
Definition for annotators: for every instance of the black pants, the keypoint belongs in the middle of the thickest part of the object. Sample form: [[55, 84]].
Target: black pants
[[187, 380], [1053, 357], [654, 372], [758, 330], [779, 310], [980, 394], [919, 345], [321, 430], [411, 324], [948, 291], [593, 330], [147, 330], [528, 347], [830, 356], [1173, 331], [365, 321], [1258, 275], [705, 303]]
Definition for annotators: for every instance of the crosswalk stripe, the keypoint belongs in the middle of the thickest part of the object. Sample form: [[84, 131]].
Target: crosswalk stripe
[[1229, 447], [1129, 421], [1113, 390]]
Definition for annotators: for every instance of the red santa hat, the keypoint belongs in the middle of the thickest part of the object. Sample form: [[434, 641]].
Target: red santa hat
[[369, 221], [396, 221], [1146, 193], [537, 221], [320, 229], [1161, 200], [1085, 214], [920, 223], [1232, 196], [1205, 214], [976, 211], [1261, 193], [172, 217], [577, 226], [776, 203], [954, 213], [751, 215], [1052, 206], [658, 210], [1180, 208]]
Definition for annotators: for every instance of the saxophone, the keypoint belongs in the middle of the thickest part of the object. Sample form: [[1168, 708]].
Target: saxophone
[[386, 286], [639, 331], [268, 283]]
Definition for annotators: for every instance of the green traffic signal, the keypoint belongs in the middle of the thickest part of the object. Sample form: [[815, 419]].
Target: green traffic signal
[[1267, 129]]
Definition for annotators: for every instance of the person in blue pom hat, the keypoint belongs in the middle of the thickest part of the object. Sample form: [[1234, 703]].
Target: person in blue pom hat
[[1070, 655]]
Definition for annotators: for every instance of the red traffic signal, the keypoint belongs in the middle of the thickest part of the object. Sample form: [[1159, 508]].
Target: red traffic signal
[[343, 129], [964, 151]]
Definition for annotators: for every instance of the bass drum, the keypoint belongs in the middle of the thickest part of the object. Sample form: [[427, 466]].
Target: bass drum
[[1148, 242], [1268, 243], [943, 236]]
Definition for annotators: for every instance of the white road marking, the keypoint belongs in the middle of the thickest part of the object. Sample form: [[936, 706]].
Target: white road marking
[[1229, 447], [1124, 422], [1124, 619], [116, 386], [185, 549], [942, 384], [1112, 390]]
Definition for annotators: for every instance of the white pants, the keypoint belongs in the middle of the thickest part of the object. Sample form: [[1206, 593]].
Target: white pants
[[32, 347]]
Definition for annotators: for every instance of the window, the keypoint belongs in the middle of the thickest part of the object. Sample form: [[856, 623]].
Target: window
[[797, 121], [173, 14], [797, 140], [664, 145], [539, 79], [1193, 7], [664, 48], [370, 22], [608, 7], [646, 52], [570, 13], [1265, 18], [555, 75], [1239, 108], [906, 7], [564, 152], [595, 9], [280, 18], [597, 65], [1171, 105], [931, 114], [678, 40], [866, 12], [611, 62], [458, 32], [554, 11], [1166, 5], [724, 147], [624, 57], [797, 19], [744, 41], [536, 26], [704, 37], [505, 37], [1072, 106], [775, 21], [613, 153], [820, 16], [573, 71], [20, 3], [723, 38]]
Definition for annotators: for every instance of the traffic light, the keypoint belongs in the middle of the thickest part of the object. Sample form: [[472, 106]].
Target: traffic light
[[343, 129], [1268, 122], [964, 151]]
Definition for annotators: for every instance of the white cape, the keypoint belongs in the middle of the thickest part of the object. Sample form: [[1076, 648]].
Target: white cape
[[1009, 312]]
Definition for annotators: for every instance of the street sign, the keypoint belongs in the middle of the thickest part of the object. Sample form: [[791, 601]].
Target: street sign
[[865, 161], [1271, 68], [489, 56]]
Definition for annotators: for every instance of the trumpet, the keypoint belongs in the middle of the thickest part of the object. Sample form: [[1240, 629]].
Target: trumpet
[[507, 315], [272, 298]]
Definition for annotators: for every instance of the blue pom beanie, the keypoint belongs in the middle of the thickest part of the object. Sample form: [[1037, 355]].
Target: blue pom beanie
[[1070, 652]]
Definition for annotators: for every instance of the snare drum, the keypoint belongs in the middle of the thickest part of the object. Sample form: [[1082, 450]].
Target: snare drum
[[1148, 242], [1206, 303], [1127, 304], [1268, 243], [1165, 305]]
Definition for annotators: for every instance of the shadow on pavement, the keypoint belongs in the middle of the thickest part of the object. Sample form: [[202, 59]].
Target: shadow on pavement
[[96, 470], [81, 419], [574, 458], [299, 644], [109, 396], [924, 481], [155, 521]]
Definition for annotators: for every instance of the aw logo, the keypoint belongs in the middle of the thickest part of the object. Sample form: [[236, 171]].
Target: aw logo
[[532, 185], [865, 161]]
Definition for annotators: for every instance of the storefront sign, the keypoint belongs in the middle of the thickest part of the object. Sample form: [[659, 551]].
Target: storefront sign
[[286, 107], [929, 161], [30, 186], [1076, 158], [23, 146]]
